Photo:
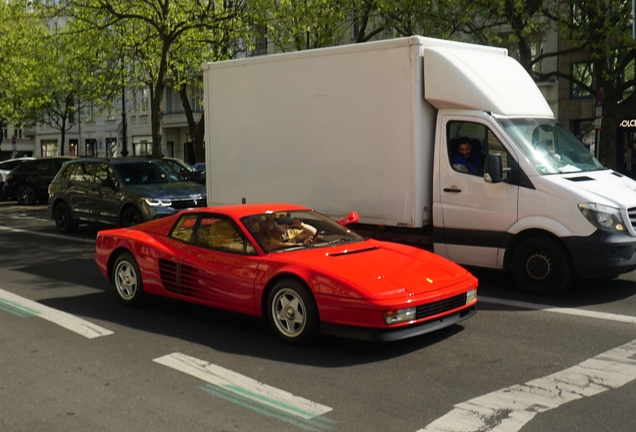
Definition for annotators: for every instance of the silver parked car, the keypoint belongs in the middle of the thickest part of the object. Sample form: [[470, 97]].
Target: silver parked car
[[120, 192]]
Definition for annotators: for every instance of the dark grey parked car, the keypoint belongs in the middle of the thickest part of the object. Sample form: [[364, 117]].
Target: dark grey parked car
[[28, 182], [121, 192]]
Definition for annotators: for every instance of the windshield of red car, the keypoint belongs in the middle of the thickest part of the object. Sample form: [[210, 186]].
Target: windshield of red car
[[276, 231]]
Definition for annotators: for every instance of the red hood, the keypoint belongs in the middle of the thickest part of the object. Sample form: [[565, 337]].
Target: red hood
[[384, 270]]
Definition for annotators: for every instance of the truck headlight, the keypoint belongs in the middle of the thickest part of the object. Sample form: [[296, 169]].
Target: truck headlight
[[400, 315], [603, 217], [155, 202]]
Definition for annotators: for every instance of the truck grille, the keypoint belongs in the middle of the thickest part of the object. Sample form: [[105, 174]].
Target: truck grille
[[632, 216], [441, 306], [184, 204]]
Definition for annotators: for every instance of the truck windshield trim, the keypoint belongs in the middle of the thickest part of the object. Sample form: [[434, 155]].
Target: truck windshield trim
[[549, 146]]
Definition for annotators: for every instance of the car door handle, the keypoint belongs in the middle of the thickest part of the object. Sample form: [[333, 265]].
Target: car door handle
[[453, 189]]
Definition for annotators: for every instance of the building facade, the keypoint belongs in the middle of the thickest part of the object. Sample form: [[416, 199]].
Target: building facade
[[94, 133]]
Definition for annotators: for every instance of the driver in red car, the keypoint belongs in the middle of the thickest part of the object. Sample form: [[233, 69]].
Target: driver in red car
[[278, 235]]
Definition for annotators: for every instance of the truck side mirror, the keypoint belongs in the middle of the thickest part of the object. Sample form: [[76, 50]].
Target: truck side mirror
[[352, 218], [493, 168]]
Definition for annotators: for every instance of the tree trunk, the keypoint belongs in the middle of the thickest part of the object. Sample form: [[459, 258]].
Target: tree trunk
[[195, 129], [63, 136], [607, 149], [156, 119], [1, 130], [156, 98]]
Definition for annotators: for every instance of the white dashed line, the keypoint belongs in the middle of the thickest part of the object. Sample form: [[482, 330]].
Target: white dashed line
[[59, 236], [23, 307], [244, 386], [566, 311]]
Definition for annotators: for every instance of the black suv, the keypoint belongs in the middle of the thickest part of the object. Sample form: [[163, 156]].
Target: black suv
[[121, 192], [29, 181]]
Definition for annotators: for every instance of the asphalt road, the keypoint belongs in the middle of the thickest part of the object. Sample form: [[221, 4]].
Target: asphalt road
[[72, 358]]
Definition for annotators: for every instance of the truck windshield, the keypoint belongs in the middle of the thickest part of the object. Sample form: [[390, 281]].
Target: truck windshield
[[550, 147]]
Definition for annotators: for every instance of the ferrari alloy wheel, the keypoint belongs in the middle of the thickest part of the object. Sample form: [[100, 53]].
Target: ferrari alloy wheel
[[25, 195], [127, 279], [541, 266], [63, 220], [130, 216], [292, 312]]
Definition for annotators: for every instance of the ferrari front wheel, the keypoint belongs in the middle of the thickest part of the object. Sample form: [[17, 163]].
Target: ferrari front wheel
[[292, 312], [127, 279]]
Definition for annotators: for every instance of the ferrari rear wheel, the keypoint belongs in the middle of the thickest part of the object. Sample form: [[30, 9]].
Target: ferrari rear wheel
[[127, 279], [292, 312]]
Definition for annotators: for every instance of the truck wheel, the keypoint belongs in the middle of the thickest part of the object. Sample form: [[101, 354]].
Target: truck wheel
[[25, 194], [63, 220], [541, 266], [292, 312], [130, 216], [127, 279]]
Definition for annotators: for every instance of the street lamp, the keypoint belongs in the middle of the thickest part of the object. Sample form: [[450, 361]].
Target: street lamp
[[124, 145]]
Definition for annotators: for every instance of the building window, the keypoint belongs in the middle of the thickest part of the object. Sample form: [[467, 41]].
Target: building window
[[110, 112], [49, 148], [355, 30], [196, 99], [72, 147], [627, 74], [260, 41], [111, 147], [142, 148], [5, 130], [168, 100], [586, 133], [91, 112], [144, 101], [582, 72], [18, 133]]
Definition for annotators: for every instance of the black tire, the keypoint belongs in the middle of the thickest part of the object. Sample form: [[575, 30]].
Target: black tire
[[292, 312], [127, 280], [64, 221], [25, 194], [541, 266], [130, 216]]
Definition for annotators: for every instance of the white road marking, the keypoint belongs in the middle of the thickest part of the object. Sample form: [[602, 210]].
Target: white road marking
[[43, 234], [509, 409], [63, 319], [243, 386], [566, 311]]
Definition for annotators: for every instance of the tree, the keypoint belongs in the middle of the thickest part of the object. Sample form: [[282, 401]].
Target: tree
[[149, 30], [21, 56], [602, 29], [295, 25], [185, 72], [80, 70]]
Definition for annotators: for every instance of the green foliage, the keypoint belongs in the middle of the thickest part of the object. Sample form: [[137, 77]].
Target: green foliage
[[302, 24], [160, 40], [22, 54]]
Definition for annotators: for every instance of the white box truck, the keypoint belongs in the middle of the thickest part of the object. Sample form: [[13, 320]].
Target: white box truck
[[389, 128]]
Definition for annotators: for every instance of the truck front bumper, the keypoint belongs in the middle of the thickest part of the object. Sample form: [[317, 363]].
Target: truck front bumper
[[602, 254]]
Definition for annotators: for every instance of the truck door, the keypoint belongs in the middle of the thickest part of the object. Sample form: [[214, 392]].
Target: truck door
[[475, 214]]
